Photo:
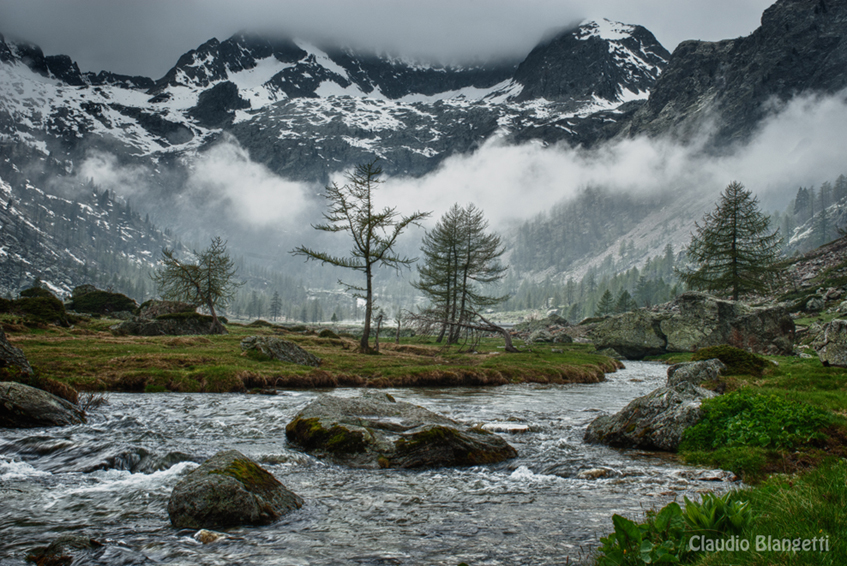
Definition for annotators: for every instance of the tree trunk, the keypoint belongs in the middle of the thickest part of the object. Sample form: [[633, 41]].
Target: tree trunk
[[366, 332]]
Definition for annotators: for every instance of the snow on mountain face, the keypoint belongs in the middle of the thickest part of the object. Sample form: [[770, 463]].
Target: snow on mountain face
[[47, 104]]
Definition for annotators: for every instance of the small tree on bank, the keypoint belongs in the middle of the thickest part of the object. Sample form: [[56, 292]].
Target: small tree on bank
[[208, 282], [374, 233], [734, 252]]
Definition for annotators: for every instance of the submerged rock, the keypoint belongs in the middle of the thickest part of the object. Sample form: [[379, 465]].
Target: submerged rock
[[228, 490], [280, 349], [22, 406], [374, 431], [64, 550], [693, 321]]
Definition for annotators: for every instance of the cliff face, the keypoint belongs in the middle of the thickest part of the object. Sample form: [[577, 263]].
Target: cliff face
[[729, 86]]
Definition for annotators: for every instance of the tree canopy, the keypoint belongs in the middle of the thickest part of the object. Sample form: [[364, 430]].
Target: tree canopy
[[459, 258], [209, 282], [734, 251]]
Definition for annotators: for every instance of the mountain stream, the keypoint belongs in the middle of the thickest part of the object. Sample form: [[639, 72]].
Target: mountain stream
[[112, 477]]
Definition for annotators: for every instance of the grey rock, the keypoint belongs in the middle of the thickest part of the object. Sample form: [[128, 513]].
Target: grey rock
[[228, 490], [22, 406], [152, 309], [653, 422], [695, 373], [542, 335], [814, 304], [633, 335], [12, 357], [693, 321], [373, 431], [831, 344], [280, 349]]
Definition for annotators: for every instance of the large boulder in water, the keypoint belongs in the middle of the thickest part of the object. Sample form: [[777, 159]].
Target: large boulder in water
[[280, 349], [12, 358], [831, 343], [693, 321], [22, 406], [376, 431], [655, 421], [228, 490]]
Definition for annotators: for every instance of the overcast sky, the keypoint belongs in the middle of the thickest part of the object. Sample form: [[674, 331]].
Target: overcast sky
[[146, 37]]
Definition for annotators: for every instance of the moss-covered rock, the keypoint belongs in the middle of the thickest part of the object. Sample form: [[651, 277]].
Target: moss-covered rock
[[229, 490], [374, 431], [90, 300], [280, 349], [174, 324], [737, 361], [22, 406]]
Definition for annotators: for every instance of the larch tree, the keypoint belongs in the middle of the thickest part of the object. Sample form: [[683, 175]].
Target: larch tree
[[209, 281], [459, 258], [734, 251], [374, 233]]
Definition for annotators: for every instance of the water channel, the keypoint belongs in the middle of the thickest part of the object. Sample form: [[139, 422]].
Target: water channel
[[112, 477]]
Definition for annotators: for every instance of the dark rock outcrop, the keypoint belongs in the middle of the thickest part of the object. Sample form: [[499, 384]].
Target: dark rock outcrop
[[375, 431], [693, 321], [280, 349], [228, 490], [89, 299], [152, 309], [733, 84], [11, 357], [831, 344], [177, 324], [22, 406]]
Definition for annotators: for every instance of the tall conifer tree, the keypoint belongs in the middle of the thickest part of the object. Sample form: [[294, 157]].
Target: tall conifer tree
[[734, 252]]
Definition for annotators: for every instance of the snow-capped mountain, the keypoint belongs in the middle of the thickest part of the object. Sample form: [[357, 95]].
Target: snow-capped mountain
[[345, 103]]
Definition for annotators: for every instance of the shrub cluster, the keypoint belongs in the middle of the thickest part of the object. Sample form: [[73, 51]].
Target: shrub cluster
[[746, 418]]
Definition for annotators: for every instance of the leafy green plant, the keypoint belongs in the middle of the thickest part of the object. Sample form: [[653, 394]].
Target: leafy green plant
[[716, 515], [661, 539], [745, 418]]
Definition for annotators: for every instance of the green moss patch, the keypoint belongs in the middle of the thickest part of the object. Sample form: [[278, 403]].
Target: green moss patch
[[737, 361]]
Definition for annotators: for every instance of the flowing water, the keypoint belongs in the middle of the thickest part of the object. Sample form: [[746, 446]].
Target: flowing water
[[112, 478]]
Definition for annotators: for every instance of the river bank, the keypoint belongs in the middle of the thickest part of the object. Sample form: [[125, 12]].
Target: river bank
[[89, 357]]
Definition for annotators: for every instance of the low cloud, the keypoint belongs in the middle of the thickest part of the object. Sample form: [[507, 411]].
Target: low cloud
[[800, 145], [225, 176]]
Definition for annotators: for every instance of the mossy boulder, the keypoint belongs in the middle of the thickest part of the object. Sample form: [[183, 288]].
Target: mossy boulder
[[831, 344], [696, 372], [737, 361], [12, 359], [22, 406], [154, 308], [90, 300], [229, 490], [175, 324], [633, 335], [280, 349], [375, 431], [41, 306]]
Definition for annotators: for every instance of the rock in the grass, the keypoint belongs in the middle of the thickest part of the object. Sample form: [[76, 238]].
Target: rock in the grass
[[695, 373], [12, 357], [373, 431], [280, 349], [831, 344], [228, 490], [653, 422], [22, 406], [176, 324]]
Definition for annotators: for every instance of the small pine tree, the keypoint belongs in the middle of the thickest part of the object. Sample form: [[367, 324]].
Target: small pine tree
[[606, 304], [625, 302], [734, 251], [276, 305]]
